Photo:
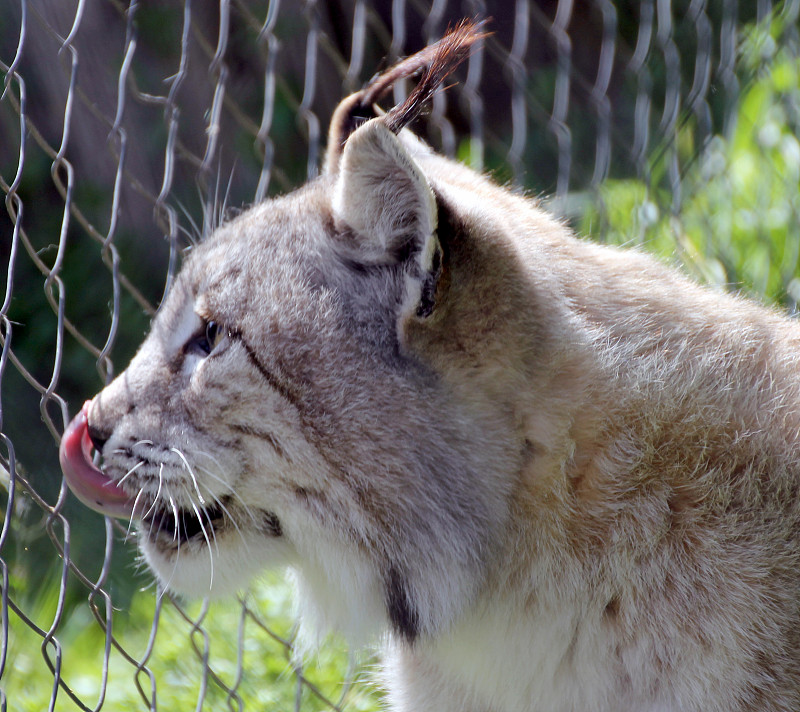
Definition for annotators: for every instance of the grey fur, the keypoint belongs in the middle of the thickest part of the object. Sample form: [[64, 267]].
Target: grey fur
[[556, 475]]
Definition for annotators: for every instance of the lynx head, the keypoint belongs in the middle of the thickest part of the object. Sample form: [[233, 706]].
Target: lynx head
[[292, 405]]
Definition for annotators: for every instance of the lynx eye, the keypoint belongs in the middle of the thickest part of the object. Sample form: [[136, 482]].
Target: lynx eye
[[209, 338]]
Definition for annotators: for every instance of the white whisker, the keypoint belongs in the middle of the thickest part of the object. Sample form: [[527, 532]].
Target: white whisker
[[150, 529], [191, 474], [158, 492], [177, 553], [225, 510], [130, 472], [208, 543], [213, 531], [175, 536], [210, 474], [232, 492], [212, 458], [133, 513], [198, 513]]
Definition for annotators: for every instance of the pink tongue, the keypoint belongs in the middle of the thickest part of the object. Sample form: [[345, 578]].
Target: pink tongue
[[87, 482]]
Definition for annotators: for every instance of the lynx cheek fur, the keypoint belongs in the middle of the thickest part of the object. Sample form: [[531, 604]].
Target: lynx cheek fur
[[558, 476]]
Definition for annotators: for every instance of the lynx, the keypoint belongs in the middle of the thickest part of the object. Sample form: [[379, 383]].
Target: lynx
[[549, 475]]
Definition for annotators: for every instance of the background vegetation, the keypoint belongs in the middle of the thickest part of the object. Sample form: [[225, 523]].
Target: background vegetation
[[738, 223]]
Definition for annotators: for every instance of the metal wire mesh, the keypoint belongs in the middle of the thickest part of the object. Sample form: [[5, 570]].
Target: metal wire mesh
[[125, 130]]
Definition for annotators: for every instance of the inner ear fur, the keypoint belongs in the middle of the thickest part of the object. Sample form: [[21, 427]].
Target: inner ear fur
[[384, 204], [383, 197]]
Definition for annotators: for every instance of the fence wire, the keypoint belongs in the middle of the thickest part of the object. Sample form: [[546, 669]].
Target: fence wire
[[127, 130]]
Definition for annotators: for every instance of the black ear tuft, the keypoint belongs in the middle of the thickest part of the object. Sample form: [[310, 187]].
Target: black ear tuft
[[438, 61], [441, 60]]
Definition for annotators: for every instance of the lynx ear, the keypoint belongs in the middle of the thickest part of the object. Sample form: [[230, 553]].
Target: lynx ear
[[384, 198], [346, 118], [389, 212]]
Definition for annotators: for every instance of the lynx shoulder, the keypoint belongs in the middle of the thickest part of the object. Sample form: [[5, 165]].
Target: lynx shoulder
[[552, 475]]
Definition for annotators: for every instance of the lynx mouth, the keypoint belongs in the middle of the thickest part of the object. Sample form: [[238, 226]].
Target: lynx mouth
[[181, 526], [100, 492], [165, 526], [172, 528]]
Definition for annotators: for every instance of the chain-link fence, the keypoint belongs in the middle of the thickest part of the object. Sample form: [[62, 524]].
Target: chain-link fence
[[126, 128]]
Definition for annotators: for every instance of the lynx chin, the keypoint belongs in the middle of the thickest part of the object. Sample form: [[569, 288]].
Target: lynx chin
[[550, 475]]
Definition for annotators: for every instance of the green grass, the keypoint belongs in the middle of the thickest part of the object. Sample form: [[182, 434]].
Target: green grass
[[249, 665]]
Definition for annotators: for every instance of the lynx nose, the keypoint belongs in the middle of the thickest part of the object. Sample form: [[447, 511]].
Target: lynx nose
[[97, 437]]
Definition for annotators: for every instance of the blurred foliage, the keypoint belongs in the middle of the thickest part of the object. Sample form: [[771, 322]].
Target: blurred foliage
[[238, 647], [737, 224]]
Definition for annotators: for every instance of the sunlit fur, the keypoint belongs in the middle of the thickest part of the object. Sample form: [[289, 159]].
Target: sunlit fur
[[569, 483]]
